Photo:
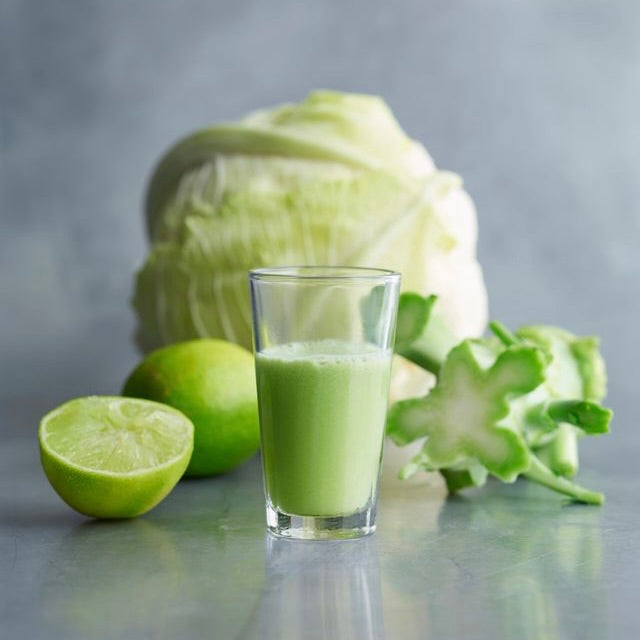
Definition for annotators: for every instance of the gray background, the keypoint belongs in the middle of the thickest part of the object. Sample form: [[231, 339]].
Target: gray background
[[535, 103]]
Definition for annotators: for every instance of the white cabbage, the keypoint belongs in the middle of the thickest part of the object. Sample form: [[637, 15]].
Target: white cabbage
[[332, 180]]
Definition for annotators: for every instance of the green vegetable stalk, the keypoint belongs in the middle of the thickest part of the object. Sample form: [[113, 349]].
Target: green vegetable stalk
[[507, 405]]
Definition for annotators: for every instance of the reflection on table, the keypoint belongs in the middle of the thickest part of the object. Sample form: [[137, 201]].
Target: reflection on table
[[318, 590]]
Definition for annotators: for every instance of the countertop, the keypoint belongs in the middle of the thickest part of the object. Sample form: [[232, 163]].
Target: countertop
[[502, 562]]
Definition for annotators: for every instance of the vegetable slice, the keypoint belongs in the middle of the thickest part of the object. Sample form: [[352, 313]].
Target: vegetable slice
[[504, 405]]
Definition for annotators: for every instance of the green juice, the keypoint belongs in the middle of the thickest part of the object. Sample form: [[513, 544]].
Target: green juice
[[322, 414]]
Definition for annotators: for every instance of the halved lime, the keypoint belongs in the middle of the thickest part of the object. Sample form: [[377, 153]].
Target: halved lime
[[112, 457]]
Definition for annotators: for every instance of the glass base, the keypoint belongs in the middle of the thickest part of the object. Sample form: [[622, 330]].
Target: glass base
[[355, 525]]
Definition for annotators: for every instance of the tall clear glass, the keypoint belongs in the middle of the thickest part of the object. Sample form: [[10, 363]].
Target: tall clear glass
[[323, 339]]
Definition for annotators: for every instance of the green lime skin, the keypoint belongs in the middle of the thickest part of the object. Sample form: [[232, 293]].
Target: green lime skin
[[213, 383], [112, 457]]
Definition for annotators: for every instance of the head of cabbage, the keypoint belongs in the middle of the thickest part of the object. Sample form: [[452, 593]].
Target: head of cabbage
[[332, 180]]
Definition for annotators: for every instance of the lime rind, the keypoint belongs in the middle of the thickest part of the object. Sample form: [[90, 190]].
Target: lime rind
[[103, 492]]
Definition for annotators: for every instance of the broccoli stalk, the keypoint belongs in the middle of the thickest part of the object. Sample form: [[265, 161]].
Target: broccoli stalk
[[575, 370], [541, 474], [561, 453], [421, 335], [498, 403]]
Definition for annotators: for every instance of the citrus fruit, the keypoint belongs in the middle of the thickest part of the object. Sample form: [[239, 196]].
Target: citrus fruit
[[213, 383], [112, 457]]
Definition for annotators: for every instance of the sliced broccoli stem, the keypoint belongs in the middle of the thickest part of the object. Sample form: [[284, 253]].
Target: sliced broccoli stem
[[423, 336], [541, 474], [590, 417], [430, 350], [456, 479], [414, 312], [561, 453], [550, 428], [503, 334]]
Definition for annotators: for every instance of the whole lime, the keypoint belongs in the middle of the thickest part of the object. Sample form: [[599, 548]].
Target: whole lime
[[213, 383]]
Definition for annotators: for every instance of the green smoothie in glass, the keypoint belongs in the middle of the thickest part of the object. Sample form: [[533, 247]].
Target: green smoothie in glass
[[323, 341], [322, 413]]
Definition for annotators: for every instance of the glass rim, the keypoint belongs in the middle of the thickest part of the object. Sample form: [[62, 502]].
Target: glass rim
[[315, 273]]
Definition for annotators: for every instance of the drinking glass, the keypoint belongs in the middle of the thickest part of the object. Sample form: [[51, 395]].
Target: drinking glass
[[323, 340]]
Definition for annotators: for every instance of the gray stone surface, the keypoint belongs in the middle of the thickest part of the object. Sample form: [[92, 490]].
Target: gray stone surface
[[504, 562], [535, 103]]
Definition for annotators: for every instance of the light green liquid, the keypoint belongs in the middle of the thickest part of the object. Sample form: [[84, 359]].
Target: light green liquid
[[322, 413]]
